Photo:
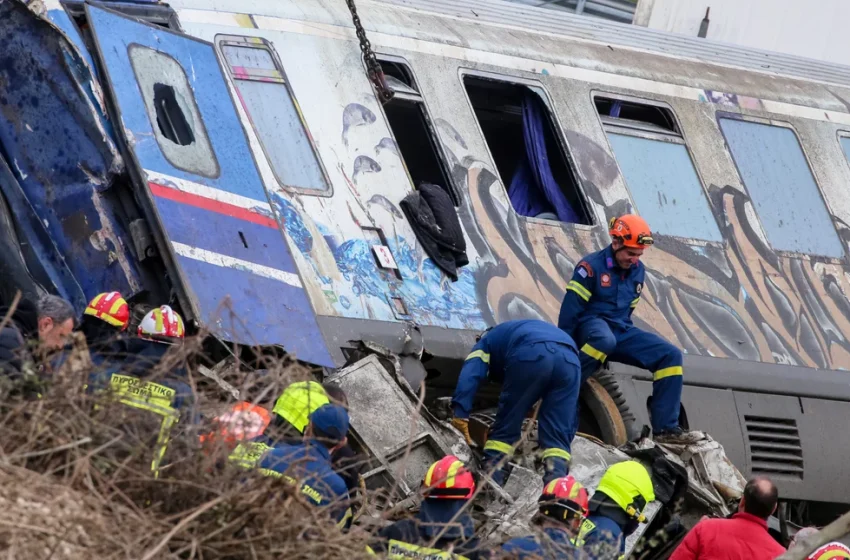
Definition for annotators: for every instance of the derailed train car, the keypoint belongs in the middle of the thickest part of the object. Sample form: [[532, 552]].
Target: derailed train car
[[234, 159]]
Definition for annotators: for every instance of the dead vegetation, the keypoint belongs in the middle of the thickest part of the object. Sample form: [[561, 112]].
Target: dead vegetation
[[76, 482]]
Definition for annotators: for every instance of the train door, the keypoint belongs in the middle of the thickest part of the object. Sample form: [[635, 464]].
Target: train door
[[197, 178]]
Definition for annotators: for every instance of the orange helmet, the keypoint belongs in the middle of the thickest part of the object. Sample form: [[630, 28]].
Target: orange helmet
[[632, 229], [110, 307], [564, 499], [830, 551], [162, 323], [242, 422], [449, 479]]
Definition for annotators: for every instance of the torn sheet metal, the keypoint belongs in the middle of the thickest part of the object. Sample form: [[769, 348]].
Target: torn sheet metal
[[396, 430], [712, 478], [63, 166]]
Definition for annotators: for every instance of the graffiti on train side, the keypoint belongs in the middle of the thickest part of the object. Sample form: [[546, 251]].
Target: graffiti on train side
[[739, 299]]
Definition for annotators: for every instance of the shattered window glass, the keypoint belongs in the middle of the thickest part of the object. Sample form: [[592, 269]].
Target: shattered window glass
[[170, 105], [777, 177], [665, 186], [274, 114]]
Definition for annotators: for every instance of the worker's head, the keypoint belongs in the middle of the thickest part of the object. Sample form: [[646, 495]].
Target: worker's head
[[626, 489], [760, 497], [55, 321], [162, 324], [297, 402], [630, 237], [335, 394], [565, 501], [329, 426], [106, 316], [448, 479]]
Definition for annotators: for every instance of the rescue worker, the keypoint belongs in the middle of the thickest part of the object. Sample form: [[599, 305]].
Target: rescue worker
[[307, 465], [106, 317], [616, 509], [533, 360], [165, 398], [605, 289], [442, 528], [292, 410], [563, 506]]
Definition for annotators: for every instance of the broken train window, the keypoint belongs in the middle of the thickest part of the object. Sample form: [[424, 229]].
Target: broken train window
[[527, 149], [412, 127], [171, 108], [274, 113], [655, 162]]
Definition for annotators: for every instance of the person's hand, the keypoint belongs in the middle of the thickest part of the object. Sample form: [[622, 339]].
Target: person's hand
[[462, 425]]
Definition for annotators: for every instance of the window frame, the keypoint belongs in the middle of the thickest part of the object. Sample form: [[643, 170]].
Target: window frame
[[669, 137], [154, 120], [261, 43], [454, 192], [787, 125], [558, 133]]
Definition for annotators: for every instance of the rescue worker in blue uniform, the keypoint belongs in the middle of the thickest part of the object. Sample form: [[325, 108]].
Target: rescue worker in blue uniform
[[533, 360], [563, 506], [443, 527], [597, 311], [616, 510], [306, 465]]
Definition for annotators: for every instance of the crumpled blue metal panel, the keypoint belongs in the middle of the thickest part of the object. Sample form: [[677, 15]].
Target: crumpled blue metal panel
[[55, 145]]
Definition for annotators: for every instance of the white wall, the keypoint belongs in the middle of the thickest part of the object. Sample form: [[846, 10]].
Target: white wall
[[810, 28]]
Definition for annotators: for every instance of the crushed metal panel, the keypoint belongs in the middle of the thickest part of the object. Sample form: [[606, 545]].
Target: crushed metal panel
[[204, 193], [389, 423]]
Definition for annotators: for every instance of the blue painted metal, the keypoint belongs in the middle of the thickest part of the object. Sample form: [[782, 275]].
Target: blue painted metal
[[63, 165], [264, 311]]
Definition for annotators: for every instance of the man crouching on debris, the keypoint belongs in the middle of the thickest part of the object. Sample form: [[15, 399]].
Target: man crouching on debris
[[562, 509], [443, 525], [533, 360]]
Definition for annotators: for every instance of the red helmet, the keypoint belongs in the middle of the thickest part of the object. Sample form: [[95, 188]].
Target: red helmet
[[632, 229], [564, 499], [110, 307], [830, 551], [449, 479]]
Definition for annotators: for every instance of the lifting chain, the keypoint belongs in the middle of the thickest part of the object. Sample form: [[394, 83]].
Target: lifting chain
[[373, 67]]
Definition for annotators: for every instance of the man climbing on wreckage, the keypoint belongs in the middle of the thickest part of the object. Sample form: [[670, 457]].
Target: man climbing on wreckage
[[597, 312], [533, 360]]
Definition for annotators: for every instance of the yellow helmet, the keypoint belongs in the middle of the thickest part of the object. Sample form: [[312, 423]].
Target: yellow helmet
[[628, 483], [299, 401]]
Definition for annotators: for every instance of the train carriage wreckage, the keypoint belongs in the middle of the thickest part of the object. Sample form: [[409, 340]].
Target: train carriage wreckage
[[276, 173]]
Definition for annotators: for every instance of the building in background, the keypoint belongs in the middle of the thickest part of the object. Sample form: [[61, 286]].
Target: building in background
[[812, 29]]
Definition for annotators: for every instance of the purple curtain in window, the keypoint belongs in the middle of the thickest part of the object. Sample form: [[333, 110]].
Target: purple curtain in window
[[533, 189]]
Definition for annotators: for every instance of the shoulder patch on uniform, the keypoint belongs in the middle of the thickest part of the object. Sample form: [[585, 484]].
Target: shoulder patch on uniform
[[584, 269], [606, 280]]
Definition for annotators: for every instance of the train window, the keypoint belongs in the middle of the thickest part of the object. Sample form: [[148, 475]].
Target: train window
[[527, 149], [782, 187], [411, 125], [669, 196], [274, 114], [175, 119]]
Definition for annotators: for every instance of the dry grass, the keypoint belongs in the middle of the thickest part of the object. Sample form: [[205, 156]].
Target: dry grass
[[75, 482]]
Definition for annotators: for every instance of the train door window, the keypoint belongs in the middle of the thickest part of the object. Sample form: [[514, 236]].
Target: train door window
[[170, 104], [527, 149], [412, 127], [783, 189], [845, 145], [658, 169], [274, 114]]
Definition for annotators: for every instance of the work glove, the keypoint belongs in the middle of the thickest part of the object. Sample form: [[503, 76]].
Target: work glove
[[462, 425]]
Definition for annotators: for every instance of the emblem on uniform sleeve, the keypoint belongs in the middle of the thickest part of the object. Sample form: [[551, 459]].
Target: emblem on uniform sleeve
[[638, 288], [584, 270], [606, 280]]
